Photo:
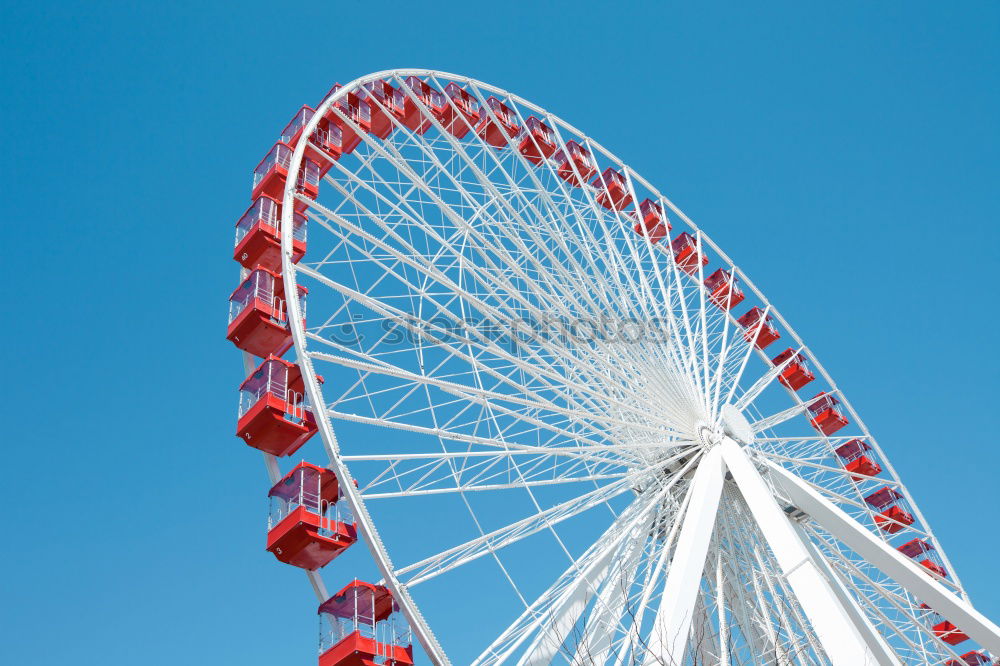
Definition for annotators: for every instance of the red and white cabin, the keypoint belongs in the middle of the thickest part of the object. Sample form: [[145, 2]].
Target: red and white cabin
[[307, 525], [575, 164], [271, 173], [499, 131], [361, 626], [338, 136], [686, 253], [917, 548], [825, 416], [411, 115], [973, 658], [949, 633], [293, 133], [892, 516], [258, 235], [765, 331], [651, 221], [539, 142], [380, 96], [258, 318], [612, 190], [796, 374], [274, 415], [723, 292], [854, 455], [456, 109], [293, 130]]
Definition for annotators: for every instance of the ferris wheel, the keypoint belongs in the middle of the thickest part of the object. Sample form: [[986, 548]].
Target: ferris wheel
[[564, 422]]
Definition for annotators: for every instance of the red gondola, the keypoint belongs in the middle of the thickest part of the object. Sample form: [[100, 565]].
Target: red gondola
[[949, 633], [686, 253], [972, 658], [498, 132], [271, 173], [539, 141], [274, 416], [380, 96], [650, 220], [796, 374], [856, 460], [575, 164], [765, 331], [361, 626], [612, 190], [410, 114], [722, 289], [825, 416], [258, 239], [258, 319], [892, 517], [307, 526], [293, 132], [456, 109], [915, 548], [337, 136]]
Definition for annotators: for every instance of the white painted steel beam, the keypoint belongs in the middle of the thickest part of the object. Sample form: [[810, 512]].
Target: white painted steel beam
[[883, 653], [669, 634], [888, 560], [831, 623]]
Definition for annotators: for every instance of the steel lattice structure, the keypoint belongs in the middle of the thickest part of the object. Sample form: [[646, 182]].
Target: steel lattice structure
[[525, 382]]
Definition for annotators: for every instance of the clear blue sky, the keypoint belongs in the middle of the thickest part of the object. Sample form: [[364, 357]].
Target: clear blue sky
[[845, 154]]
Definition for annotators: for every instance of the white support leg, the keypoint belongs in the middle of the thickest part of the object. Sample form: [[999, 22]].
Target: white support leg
[[883, 654], [720, 610], [888, 560], [557, 622], [669, 635], [831, 623], [609, 607]]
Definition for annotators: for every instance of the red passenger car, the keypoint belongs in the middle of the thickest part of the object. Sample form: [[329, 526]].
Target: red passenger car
[[274, 416], [258, 239], [796, 374], [292, 133], [722, 289], [612, 190], [928, 558], [271, 173], [307, 524], [456, 109], [413, 94], [892, 517], [972, 658], [337, 135], [825, 416], [686, 253], [856, 459], [539, 142], [949, 633], [762, 333], [574, 163], [383, 105], [258, 318], [361, 626], [499, 130], [651, 221]]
